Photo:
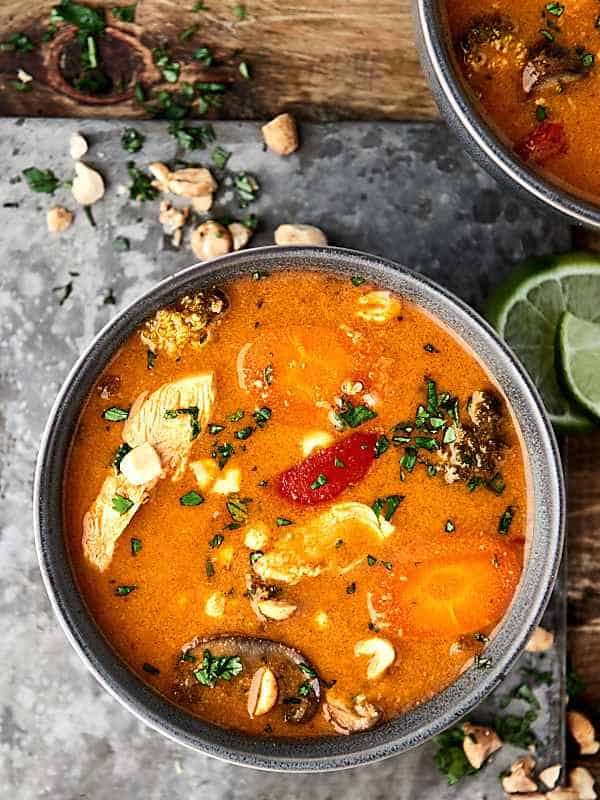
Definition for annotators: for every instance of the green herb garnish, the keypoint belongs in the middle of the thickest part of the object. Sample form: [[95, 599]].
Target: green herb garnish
[[141, 187], [115, 414], [387, 506], [449, 527], [136, 546], [505, 520], [238, 508], [217, 668], [319, 481], [150, 668], [351, 588], [220, 157], [121, 504], [124, 13], [192, 498], [450, 757], [352, 416], [381, 445], [262, 416], [41, 180], [124, 590], [132, 140], [409, 459], [282, 522], [216, 541]]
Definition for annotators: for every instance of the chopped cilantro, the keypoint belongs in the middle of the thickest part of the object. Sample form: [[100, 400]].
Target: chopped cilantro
[[339, 463], [216, 541], [246, 186], [409, 459], [115, 414], [41, 180], [150, 668], [450, 757], [319, 481], [213, 428], [124, 13], [210, 568], [244, 433], [505, 520], [352, 416], [124, 590], [141, 187], [351, 588], [255, 556], [307, 669], [121, 504], [381, 445], [240, 11], [356, 280], [217, 668], [136, 546], [169, 69], [282, 522], [450, 527], [120, 454], [387, 506], [132, 140], [120, 244], [150, 359], [262, 416], [496, 483], [222, 453], [220, 157], [371, 561], [238, 508], [192, 498]]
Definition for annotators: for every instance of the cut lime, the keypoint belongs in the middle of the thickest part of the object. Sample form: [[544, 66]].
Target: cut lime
[[579, 350], [526, 311]]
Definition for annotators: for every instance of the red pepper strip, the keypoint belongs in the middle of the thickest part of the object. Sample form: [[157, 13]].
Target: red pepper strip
[[545, 141], [328, 472]]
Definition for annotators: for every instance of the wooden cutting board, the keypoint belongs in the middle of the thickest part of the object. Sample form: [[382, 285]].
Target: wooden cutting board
[[345, 59]]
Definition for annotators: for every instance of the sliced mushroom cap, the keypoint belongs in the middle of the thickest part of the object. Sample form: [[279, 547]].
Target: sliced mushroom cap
[[348, 718], [550, 64], [289, 667]]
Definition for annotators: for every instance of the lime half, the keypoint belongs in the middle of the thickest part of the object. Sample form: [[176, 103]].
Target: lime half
[[526, 311], [579, 349]]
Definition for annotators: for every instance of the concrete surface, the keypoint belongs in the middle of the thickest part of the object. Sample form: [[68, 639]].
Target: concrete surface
[[405, 191]]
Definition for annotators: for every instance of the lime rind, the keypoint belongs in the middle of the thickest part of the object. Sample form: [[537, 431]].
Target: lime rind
[[526, 311], [579, 361]]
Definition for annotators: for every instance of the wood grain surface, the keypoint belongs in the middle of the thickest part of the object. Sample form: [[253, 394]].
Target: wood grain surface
[[345, 59]]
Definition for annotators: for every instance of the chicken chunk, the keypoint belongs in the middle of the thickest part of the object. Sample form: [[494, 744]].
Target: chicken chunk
[[171, 418], [107, 518], [308, 550], [168, 420]]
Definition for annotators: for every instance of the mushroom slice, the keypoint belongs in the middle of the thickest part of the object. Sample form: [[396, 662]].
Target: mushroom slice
[[582, 781], [550, 775], [551, 65], [288, 666], [277, 610], [263, 692], [345, 718], [479, 743], [381, 652]]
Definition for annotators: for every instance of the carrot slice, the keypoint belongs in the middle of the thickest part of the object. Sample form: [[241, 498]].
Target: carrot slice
[[450, 596]]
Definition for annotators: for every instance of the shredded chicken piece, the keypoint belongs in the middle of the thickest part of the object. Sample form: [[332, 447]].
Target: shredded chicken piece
[[103, 524], [172, 437], [305, 551]]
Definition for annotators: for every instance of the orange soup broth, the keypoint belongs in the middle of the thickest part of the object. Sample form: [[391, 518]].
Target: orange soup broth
[[167, 610]]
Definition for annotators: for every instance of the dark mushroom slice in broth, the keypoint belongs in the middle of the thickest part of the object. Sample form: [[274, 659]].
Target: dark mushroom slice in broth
[[551, 65], [220, 669]]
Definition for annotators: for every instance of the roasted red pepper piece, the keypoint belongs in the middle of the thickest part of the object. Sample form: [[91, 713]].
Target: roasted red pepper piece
[[545, 141], [328, 472]]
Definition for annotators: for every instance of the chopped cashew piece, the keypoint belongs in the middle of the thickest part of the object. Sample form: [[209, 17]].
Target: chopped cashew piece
[[191, 182], [277, 610], [172, 218], [345, 719], [257, 537], [202, 204], [88, 185], [562, 793], [541, 639], [211, 239], [582, 730], [141, 465], [263, 692], [479, 743], [582, 780], [549, 776], [24, 77], [519, 778], [58, 219], [78, 146], [381, 652], [215, 605], [321, 619], [378, 306], [315, 440], [240, 235], [230, 482], [205, 471], [281, 135], [160, 172], [299, 234]]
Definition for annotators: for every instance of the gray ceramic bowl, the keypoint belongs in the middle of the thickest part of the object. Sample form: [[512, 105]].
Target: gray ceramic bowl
[[542, 562], [456, 104]]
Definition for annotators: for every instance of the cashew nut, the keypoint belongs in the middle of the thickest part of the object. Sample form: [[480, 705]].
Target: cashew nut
[[562, 793], [58, 219], [479, 743], [229, 483], [381, 652], [257, 537], [263, 692], [78, 146], [215, 605], [172, 218], [160, 172], [540, 641], [88, 186], [378, 306], [582, 730], [240, 235], [582, 781], [549, 776], [210, 240], [277, 610], [281, 135], [345, 719], [205, 471], [519, 778], [299, 234], [141, 465], [202, 204], [191, 182]]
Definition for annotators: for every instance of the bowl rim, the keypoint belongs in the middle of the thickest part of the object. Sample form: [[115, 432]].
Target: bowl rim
[[313, 754], [475, 133]]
